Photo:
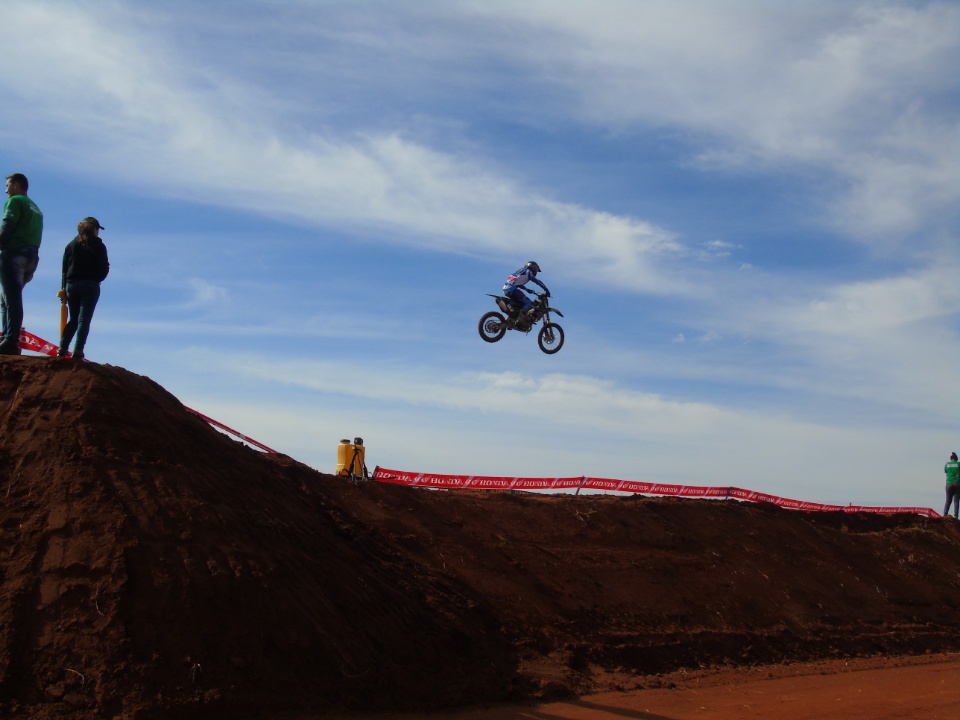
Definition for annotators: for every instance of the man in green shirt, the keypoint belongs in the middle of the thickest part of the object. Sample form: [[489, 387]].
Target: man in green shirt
[[952, 469], [20, 233]]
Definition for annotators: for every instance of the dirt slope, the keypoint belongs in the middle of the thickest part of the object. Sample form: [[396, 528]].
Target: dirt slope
[[151, 566]]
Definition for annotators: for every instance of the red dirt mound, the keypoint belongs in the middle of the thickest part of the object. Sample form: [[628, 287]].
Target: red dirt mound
[[152, 567]]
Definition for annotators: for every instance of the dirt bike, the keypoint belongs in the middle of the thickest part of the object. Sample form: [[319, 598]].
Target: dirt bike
[[494, 325]]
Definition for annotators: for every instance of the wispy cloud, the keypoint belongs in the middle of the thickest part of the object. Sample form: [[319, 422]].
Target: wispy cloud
[[858, 90], [864, 90], [169, 132], [634, 435]]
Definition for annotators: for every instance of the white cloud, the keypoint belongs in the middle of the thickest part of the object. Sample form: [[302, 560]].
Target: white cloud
[[852, 90], [205, 293], [216, 144], [554, 399], [580, 425], [890, 340], [865, 90], [718, 250]]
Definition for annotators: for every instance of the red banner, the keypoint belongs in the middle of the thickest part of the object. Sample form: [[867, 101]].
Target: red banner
[[646, 488], [29, 341], [475, 482], [454, 482], [229, 431]]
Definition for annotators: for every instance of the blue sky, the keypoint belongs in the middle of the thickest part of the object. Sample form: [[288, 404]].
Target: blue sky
[[747, 212]]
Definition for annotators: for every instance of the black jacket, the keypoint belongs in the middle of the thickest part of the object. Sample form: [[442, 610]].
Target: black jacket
[[79, 263]]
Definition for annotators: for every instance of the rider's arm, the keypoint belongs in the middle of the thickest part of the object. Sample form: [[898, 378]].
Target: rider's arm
[[547, 291]]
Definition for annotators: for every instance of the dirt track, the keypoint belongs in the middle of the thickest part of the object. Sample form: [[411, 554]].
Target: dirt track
[[152, 567], [875, 689]]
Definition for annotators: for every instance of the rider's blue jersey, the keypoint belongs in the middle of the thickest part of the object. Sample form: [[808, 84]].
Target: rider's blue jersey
[[520, 278]]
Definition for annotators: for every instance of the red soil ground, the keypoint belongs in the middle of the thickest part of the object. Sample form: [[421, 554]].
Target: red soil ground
[[151, 567], [872, 689]]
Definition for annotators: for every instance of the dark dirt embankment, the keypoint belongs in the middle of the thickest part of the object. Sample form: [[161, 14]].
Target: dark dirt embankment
[[150, 565]]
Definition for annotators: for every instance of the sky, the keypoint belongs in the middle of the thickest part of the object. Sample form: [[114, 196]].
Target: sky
[[746, 211]]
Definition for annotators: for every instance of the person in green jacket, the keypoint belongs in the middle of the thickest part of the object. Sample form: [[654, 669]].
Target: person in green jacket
[[20, 232], [952, 469]]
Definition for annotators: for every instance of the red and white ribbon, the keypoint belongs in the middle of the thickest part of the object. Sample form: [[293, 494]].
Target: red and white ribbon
[[456, 482]]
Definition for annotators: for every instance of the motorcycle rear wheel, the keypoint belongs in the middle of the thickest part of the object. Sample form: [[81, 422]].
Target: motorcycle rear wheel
[[492, 327], [550, 338]]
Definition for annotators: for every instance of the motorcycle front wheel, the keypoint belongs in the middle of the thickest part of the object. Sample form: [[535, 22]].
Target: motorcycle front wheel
[[492, 327], [550, 338]]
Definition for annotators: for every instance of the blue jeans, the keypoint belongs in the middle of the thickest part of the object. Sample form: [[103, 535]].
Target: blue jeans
[[520, 296], [82, 297], [953, 495], [17, 266]]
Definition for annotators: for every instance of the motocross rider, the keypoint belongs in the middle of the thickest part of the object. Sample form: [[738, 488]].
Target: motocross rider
[[515, 283]]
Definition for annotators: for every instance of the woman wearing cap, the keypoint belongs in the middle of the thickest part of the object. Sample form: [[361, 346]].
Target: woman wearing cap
[[85, 265]]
